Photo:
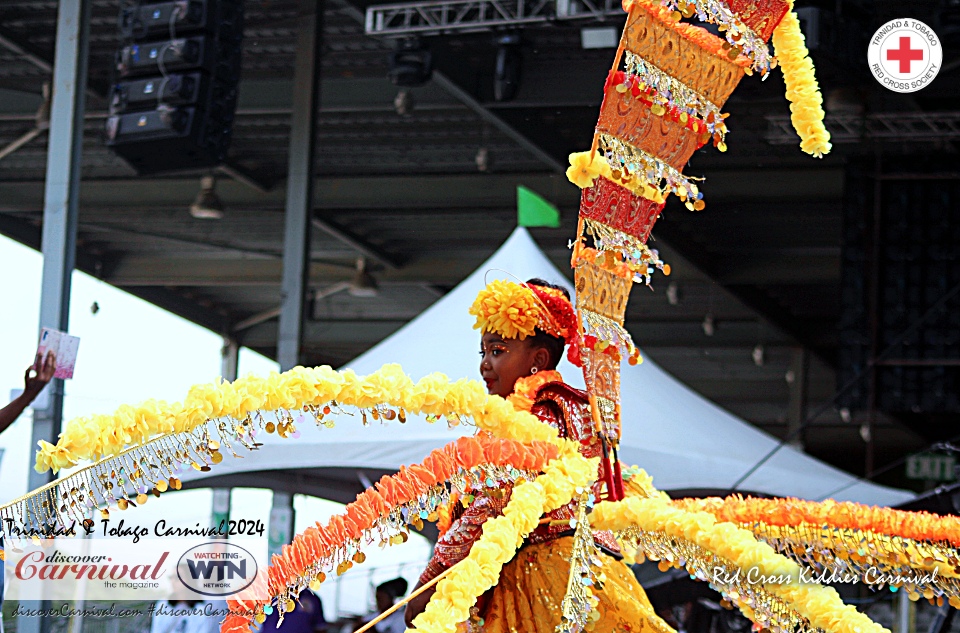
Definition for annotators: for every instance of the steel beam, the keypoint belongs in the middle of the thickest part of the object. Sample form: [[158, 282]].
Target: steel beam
[[798, 385], [256, 319], [466, 99], [881, 126], [60, 210], [359, 244], [163, 272], [220, 507], [9, 42], [435, 17], [299, 212], [280, 529], [788, 188], [244, 176]]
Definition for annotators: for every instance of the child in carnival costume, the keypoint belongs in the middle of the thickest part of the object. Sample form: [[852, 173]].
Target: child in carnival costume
[[525, 328]]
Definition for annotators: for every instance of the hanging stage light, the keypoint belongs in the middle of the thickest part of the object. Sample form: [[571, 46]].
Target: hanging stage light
[[506, 76], [208, 205], [411, 65], [363, 284]]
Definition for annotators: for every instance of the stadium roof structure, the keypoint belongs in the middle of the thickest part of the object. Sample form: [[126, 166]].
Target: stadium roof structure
[[410, 194]]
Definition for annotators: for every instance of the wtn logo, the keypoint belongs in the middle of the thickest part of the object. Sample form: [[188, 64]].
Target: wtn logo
[[224, 568], [217, 569]]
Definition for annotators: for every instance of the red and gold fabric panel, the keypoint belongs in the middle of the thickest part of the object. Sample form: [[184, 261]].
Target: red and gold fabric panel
[[617, 207], [760, 15]]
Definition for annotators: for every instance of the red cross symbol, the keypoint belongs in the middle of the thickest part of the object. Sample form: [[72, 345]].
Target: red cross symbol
[[905, 54]]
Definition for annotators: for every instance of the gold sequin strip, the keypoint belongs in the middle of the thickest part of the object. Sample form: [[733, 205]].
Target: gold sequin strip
[[673, 92], [628, 161], [740, 37], [579, 606], [607, 238], [124, 480], [394, 528]]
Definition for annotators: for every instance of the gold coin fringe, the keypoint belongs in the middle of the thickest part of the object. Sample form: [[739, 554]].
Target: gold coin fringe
[[125, 480], [759, 605], [607, 238], [670, 91], [741, 39], [129, 478], [922, 569]]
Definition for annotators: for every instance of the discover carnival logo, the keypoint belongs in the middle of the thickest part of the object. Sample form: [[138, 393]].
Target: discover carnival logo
[[905, 55]]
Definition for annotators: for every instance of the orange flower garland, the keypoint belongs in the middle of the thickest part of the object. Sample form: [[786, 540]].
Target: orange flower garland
[[842, 515], [299, 562]]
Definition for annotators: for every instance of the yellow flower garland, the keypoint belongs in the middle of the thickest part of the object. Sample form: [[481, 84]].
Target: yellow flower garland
[[821, 605], [501, 537], [93, 437], [803, 92]]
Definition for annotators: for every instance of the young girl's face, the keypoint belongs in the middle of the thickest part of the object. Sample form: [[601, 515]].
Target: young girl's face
[[503, 361]]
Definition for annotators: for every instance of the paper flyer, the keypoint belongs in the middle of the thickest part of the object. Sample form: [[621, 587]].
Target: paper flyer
[[64, 346]]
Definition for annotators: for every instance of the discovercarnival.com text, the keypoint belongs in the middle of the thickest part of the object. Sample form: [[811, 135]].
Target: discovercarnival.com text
[[162, 608]]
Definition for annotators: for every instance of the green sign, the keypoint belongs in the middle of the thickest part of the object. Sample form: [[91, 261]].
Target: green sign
[[931, 466], [533, 210]]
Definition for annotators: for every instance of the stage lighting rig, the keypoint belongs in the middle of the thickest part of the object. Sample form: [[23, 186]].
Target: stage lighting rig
[[175, 90]]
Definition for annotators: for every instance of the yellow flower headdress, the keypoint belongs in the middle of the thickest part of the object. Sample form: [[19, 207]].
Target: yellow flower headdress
[[515, 310]]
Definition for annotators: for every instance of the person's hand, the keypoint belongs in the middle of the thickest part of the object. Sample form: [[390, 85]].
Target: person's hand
[[39, 374]]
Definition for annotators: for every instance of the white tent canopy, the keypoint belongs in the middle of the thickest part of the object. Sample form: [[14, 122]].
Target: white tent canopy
[[679, 437]]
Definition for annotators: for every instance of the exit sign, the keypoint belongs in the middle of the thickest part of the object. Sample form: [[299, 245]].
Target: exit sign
[[931, 466]]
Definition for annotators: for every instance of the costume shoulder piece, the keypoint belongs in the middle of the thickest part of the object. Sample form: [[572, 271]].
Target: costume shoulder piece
[[574, 406], [556, 391]]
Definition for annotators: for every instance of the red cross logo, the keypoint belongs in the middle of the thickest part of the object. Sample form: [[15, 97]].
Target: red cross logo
[[905, 54]]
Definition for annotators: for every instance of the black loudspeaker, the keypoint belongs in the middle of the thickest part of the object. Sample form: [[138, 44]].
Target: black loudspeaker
[[176, 75], [900, 277]]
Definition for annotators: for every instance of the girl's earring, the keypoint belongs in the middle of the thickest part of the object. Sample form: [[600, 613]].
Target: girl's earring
[[533, 370]]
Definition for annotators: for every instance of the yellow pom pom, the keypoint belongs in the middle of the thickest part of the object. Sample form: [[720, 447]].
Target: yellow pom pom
[[507, 308]]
